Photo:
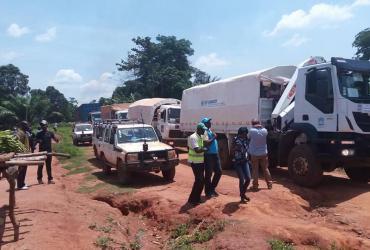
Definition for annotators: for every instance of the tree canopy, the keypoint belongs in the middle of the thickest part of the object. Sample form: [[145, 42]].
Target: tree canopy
[[159, 69], [13, 81], [362, 43]]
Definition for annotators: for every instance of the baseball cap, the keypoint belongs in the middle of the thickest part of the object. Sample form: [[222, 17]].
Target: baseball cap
[[43, 123], [205, 120], [202, 126]]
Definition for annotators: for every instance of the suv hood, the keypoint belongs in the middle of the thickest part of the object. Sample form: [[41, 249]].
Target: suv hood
[[138, 146]]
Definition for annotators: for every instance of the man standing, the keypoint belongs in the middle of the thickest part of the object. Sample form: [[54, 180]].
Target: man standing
[[24, 137], [211, 161], [196, 159], [44, 137], [258, 152]]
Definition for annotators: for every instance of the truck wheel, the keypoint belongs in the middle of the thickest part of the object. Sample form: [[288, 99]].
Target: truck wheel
[[124, 176], [224, 153], [169, 174], [106, 167], [303, 167], [359, 174]]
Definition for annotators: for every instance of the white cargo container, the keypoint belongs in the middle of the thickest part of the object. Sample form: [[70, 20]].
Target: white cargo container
[[234, 102], [162, 113]]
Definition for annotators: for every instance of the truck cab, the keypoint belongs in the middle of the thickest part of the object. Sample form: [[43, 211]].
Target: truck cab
[[322, 121], [121, 114], [169, 123], [133, 147]]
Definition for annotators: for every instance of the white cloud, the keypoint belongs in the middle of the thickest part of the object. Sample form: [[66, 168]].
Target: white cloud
[[48, 36], [210, 61], [9, 56], [296, 40], [102, 87], [64, 76], [14, 30], [320, 15]]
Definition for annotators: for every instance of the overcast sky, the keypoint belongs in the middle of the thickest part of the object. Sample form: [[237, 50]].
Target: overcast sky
[[74, 45]]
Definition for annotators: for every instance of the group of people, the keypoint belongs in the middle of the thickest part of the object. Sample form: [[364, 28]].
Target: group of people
[[248, 146], [43, 138]]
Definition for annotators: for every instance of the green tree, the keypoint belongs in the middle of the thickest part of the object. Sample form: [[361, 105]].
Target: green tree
[[13, 81], [362, 44], [160, 69], [58, 103], [14, 110], [201, 77], [40, 105]]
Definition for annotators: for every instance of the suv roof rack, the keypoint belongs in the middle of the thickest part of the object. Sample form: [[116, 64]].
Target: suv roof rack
[[118, 121]]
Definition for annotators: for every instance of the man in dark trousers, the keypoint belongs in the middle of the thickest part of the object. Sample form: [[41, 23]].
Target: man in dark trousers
[[211, 161], [43, 138], [24, 136], [196, 160]]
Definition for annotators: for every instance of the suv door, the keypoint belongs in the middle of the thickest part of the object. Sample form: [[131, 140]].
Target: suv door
[[111, 153]]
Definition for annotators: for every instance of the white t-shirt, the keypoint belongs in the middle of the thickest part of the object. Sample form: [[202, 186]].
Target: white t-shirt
[[193, 141]]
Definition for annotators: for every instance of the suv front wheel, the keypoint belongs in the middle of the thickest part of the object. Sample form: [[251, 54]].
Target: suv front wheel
[[169, 174]]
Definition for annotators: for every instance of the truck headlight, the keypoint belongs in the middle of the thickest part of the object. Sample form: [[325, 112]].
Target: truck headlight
[[348, 152], [171, 154], [132, 157]]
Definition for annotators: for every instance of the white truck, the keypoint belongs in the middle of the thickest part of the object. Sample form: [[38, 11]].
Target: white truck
[[121, 114], [317, 115], [162, 113]]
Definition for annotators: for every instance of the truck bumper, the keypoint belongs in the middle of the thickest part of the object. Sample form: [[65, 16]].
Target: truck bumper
[[152, 165]]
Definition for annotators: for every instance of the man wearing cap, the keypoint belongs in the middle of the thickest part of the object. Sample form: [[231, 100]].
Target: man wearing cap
[[196, 159], [44, 137], [211, 161]]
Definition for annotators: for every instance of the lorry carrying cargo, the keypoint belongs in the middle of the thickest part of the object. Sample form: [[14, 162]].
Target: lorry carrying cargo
[[83, 111], [162, 113], [317, 115], [108, 112]]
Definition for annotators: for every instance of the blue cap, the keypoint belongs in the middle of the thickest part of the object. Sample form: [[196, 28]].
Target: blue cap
[[205, 120], [202, 126]]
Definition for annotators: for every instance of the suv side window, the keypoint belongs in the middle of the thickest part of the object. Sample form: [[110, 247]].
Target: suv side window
[[112, 135], [319, 90], [163, 115]]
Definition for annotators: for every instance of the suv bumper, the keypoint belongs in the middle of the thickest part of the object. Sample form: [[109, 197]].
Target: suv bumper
[[152, 165]]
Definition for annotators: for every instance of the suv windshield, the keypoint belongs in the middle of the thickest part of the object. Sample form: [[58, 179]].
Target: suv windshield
[[354, 85], [125, 135], [80, 128], [174, 115]]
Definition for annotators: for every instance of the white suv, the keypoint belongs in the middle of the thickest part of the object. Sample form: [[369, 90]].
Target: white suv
[[132, 147], [82, 132]]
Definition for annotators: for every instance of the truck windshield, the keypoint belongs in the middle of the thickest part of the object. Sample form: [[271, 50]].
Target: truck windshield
[[126, 135], [354, 85], [122, 116], [174, 115], [86, 127]]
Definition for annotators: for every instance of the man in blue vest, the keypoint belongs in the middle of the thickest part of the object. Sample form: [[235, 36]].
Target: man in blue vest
[[211, 161], [196, 160]]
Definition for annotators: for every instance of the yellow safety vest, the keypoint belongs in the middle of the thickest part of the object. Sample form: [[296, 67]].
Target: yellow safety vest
[[195, 157]]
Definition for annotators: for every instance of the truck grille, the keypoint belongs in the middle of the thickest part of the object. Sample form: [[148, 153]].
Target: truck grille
[[151, 154], [362, 120], [176, 134]]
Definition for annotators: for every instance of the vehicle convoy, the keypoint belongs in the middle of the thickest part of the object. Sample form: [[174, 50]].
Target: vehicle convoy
[[317, 115], [133, 147], [163, 114], [108, 112], [82, 133]]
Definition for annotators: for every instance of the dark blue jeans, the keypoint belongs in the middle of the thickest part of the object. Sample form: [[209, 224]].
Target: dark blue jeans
[[244, 175], [212, 166]]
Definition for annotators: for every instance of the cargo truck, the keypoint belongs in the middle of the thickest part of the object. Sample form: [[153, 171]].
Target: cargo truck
[[163, 114], [317, 115], [108, 112]]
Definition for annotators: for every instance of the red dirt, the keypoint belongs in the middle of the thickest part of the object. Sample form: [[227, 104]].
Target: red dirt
[[56, 217]]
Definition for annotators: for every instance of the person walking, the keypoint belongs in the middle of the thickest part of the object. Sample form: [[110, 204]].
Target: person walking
[[196, 160], [24, 137], [211, 161], [43, 138], [240, 160], [258, 152]]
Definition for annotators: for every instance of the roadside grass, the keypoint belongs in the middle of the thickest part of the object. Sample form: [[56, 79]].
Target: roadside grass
[[103, 242], [183, 238], [276, 244]]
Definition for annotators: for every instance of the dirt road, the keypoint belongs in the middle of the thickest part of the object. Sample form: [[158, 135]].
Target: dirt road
[[82, 212]]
